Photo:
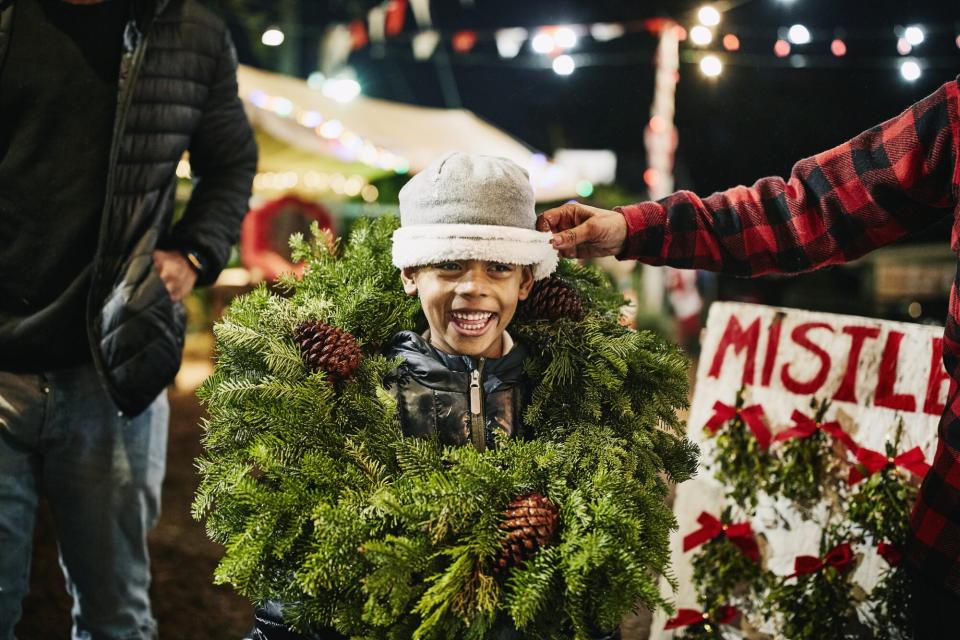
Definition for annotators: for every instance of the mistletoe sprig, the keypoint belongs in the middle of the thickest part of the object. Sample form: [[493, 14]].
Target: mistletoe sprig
[[742, 440]]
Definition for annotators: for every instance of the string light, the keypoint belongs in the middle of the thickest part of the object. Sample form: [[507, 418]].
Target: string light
[[565, 38], [903, 47], [711, 66], [838, 48], [584, 188], [731, 42], [798, 34], [708, 16], [914, 35], [910, 70], [781, 48], [272, 37], [542, 42], [563, 65], [343, 90], [700, 35]]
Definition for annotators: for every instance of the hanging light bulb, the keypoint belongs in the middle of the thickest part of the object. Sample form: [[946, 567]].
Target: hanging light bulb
[[711, 66], [272, 37], [913, 35], [700, 35], [708, 16], [564, 65], [798, 34], [542, 42], [910, 70], [565, 38]]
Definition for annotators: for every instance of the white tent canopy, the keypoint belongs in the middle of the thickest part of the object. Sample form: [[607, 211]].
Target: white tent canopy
[[390, 135]]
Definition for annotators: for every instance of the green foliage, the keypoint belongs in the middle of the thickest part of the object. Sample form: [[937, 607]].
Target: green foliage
[[811, 472], [740, 461], [322, 503], [804, 466], [724, 574]]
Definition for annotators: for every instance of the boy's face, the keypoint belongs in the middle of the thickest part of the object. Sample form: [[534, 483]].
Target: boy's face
[[469, 303]]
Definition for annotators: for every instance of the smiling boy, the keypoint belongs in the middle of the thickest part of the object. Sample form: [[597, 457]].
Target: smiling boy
[[468, 247]]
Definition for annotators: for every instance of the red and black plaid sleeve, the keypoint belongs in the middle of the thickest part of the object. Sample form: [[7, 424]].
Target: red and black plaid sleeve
[[893, 179]]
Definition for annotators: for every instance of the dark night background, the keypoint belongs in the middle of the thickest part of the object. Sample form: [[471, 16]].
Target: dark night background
[[757, 118]]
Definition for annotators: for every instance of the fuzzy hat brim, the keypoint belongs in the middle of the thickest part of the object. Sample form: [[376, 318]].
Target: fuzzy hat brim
[[422, 244]]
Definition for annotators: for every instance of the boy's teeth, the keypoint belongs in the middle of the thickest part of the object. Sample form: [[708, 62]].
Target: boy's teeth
[[472, 316]]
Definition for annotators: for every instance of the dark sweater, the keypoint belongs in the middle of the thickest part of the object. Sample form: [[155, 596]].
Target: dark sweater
[[58, 93]]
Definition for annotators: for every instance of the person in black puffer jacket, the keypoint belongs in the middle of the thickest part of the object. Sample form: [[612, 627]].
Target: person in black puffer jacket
[[99, 101], [467, 247]]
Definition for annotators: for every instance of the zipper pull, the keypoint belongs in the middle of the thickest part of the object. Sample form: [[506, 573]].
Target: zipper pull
[[475, 392]]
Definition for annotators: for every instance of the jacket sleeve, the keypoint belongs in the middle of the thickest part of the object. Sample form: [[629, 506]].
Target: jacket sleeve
[[887, 182], [223, 159]]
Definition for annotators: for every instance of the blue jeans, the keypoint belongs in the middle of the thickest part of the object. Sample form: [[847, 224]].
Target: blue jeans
[[62, 438]]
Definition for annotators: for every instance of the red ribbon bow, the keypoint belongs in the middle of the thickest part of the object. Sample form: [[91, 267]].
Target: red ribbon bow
[[752, 416], [874, 461], [805, 426], [892, 553], [838, 557], [740, 534], [688, 617]]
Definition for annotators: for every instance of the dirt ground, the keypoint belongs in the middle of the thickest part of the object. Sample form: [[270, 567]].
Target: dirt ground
[[186, 603]]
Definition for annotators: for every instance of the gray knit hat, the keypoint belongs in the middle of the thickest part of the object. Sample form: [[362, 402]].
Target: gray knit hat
[[470, 207]]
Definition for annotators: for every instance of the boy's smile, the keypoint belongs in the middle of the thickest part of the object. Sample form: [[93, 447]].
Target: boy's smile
[[469, 303]]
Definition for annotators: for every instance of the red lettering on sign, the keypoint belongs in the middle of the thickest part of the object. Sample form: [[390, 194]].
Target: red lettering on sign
[[799, 335], [735, 336], [773, 342], [938, 375], [887, 378], [847, 391]]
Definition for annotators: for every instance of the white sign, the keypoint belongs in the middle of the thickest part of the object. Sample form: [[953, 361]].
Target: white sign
[[874, 373]]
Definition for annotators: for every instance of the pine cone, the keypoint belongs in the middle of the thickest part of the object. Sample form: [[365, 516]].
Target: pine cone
[[326, 348], [552, 299], [530, 522]]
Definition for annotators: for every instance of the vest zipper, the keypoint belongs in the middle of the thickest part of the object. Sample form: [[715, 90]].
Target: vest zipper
[[478, 422]]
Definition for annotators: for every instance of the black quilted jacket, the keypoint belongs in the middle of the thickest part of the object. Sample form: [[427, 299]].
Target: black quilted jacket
[[177, 91]]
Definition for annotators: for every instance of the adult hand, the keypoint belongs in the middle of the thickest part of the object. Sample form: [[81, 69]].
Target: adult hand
[[581, 231], [177, 274]]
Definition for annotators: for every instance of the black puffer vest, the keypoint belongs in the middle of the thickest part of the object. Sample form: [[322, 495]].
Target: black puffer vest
[[459, 400], [177, 91]]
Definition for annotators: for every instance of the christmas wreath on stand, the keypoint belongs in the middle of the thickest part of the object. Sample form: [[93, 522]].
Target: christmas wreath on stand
[[322, 503]]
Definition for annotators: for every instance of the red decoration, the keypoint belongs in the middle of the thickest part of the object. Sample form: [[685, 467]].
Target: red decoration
[[358, 35], [892, 553], [689, 617], [395, 17], [463, 41], [873, 461], [752, 416], [258, 247], [839, 558], [805, 426], [740, 534]]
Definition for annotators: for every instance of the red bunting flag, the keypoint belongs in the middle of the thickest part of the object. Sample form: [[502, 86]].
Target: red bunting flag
[[874, 461], [839, 557], [805, 426], [358, 35], [396, 16], [740, 534], [892, 553], [752, 416], [689, 617]]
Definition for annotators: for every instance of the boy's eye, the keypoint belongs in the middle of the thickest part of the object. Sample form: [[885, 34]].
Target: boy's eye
[[447, 266], [501, 267]]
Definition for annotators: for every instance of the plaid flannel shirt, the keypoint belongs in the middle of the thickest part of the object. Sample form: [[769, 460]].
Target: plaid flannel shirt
[[887, 182]]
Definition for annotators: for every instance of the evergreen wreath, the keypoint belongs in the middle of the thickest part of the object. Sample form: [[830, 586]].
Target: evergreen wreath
[[322, 503]]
